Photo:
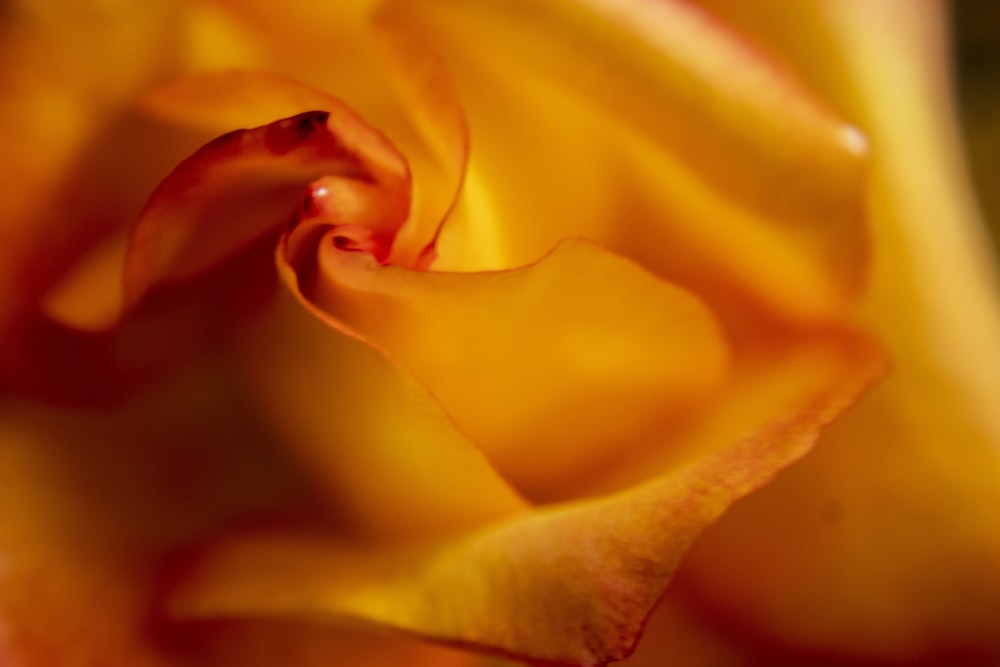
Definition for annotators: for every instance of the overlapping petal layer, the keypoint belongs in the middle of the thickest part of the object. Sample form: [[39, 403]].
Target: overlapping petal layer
[[387, 459], [893, 517], [228, 195], [678, 140], [92, 507], [247, 183], [573, 355], [90, 503], [66, 76], [567, 583], [555, 369]]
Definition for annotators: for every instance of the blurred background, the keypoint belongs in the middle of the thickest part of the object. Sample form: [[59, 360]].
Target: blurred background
[[976, 25]]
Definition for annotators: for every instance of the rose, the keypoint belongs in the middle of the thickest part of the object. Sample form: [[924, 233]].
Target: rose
[[120, 553], [523, 581]]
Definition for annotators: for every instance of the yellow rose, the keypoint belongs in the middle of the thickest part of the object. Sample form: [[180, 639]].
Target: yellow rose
[[460, 322]]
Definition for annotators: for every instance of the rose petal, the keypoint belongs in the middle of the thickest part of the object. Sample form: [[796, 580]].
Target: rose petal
[[675, 631], [658, 133], [427, 92], [265, 643], [888, 532], [246, 183], [554, 369], [388, 460], [66, 75], [91, 501], [570, 584], [46, 358]]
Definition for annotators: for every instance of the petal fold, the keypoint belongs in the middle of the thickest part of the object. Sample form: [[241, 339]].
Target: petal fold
[[246, 183], [677, 139], [567, 584], [389, 462], [554, 369]]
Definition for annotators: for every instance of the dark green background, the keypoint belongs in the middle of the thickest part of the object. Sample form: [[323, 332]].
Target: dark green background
[[976, 26]]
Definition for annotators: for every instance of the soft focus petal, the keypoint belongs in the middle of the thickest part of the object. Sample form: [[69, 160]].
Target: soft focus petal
[[676, 635], [81, 361], [389, 462], [890, 532], [569, 583], [90, 503], [269, 642], [67, 73], [440, 159], [659, 134], [554, 369]]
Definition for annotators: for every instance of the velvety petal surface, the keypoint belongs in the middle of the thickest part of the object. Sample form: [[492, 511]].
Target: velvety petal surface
[[887, 534], [96, 506], [92, 501], [554, 369], [389, 462], [569, 584], [67, 74], [658, 133]]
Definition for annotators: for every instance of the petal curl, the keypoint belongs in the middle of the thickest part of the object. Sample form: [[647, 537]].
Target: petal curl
[[91, 503], [246, 183], [680, 140], [554, 369], [568, 584]]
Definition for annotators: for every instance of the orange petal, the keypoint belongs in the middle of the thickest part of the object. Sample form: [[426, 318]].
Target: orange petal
[[428, 94], [67, 75], [570, 584], [246, 183], [675, 633], [554, 369], [388, 460], [92, 502], [268, 642], [887, 534], [83, 363], [95, 503], [658, 133]]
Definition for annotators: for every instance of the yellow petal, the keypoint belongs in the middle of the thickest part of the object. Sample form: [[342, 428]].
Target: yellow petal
[[887, 535], [388, 460], [68, 74], [567, 583], [93, 502], [657, 133], [554, 369], [246, 183], [438, 161], [269, 642]]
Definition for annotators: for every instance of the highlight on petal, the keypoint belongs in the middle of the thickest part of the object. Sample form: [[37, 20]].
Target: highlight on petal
[[554, 369], [67, 76], [677, 138], [246, 183], [893, 517], [566, 584]]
